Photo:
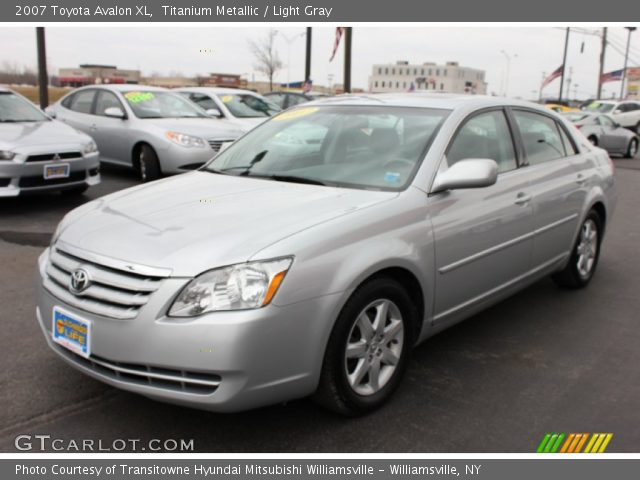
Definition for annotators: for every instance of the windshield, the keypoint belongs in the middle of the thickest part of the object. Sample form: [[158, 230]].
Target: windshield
[[248, 106], [14, 108], [159, 104], [360, 147], [600, 107]]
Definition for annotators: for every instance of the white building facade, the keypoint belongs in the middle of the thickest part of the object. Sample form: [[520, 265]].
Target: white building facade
[[450, 77]]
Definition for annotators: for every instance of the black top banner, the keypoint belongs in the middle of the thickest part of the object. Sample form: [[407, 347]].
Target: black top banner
[[307, 11]]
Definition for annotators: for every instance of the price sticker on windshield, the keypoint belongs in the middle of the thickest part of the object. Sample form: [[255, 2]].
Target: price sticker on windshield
[[139, 97], [297, 113]]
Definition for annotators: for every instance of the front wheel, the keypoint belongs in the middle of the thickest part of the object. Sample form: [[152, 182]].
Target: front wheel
[[368, 350], [584, 257], [594, 140], [632, 149], [148, 164]]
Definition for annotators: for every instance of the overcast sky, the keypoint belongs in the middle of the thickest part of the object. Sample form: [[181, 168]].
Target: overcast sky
[[178, 50]]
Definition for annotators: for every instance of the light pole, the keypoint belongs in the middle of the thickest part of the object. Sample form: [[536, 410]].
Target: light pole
[[290, 41], [506, 83], [626, 59]]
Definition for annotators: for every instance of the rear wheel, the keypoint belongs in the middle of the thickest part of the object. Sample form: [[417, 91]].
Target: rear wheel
[[368, 350], [147, 164], [584, 257], [632, 149]]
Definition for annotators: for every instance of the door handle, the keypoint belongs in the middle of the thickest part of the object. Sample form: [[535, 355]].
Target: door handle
[[522, 199], [580, 180]]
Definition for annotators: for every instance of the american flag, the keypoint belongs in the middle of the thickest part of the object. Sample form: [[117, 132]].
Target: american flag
[[551, 77], [336, 42], [613, 76]]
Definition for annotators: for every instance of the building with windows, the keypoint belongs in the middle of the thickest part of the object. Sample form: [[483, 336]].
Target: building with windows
[[450, 77], [90, 74]]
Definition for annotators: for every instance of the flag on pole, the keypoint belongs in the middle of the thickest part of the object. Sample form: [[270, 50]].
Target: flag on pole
[[552, 76], [336, 42], [613, 76]]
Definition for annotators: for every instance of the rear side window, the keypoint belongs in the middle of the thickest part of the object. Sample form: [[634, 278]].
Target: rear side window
[[486, 135], [569, 146], [541, 137], [83, 101], [203, 101]]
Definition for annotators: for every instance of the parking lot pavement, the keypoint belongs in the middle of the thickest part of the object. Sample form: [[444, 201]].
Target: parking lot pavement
[[544, 360]]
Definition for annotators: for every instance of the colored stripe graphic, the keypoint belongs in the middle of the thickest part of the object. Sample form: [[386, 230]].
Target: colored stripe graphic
[[574, 442]]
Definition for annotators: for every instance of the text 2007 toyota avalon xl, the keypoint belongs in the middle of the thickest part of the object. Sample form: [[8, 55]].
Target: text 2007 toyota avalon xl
[[315, 252]]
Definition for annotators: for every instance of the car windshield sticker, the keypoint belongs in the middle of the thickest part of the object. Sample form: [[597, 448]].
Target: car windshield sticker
[[139, 97], [392, 177], [227, 98], [300, 112]]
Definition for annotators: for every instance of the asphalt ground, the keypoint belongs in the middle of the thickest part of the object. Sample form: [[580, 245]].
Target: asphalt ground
[[545, 360]]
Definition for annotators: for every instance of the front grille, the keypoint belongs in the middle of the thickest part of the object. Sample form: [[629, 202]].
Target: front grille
[[112, 293], [146, 375], [40, 181], [216, 145], [46, 157]]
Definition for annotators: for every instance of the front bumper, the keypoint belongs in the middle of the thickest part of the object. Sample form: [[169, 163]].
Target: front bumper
[[239, 360], [176, 159], [19, 178]]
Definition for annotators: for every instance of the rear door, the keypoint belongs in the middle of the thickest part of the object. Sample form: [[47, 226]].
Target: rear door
[[556, 184], [78, 111], [610, 138], [483, 236]]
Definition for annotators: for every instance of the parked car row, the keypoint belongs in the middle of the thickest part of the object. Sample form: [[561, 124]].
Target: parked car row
[[601, 130]]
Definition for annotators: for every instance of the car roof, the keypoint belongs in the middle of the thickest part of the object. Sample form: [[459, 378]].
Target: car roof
[[129, 87], [230, 91], [445, 101]]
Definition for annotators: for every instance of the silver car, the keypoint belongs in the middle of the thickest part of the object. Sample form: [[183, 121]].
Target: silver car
[[151, 129], [311, 255], [243, 108], [604, 132], [39, 154]]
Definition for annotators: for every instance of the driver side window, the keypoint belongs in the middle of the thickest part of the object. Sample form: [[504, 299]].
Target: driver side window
[[486, 135]]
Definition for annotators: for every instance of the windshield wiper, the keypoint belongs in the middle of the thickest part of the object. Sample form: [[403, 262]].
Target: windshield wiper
[[291, 179]]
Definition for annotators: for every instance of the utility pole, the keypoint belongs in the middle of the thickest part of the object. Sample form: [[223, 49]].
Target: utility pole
[[569, 83], [307, 64], [564, 63], [347, 59], [43, 78], [626, 60], [603, 49]]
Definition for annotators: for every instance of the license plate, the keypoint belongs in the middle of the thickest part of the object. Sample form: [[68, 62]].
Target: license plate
[[57, 170], [72, 332]]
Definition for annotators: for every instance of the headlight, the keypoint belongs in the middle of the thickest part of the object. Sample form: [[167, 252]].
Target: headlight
[[6, 155], [90, 148], [237, 287], [56, 234], [185, 140]]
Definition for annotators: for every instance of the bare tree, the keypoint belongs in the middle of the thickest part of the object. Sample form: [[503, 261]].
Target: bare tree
[[266, 56]]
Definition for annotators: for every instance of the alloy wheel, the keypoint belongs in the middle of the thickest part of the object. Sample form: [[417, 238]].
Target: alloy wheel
[[143, 166], [374, 347], [587, 249]]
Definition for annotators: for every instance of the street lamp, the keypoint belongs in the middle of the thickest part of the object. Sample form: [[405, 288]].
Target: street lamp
[[506, 83], [290, 41], [626, 59]]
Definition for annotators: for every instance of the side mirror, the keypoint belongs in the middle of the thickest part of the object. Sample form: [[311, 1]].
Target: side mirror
[[470, 173], [50, 111], [617, 111], [214, 112], [114, 112]]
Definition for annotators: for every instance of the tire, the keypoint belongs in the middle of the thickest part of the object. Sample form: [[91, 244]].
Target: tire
[[74, 192], [638, 128], [594, 140], [632, 149], [584, 257], [336, 391], [147, 164]]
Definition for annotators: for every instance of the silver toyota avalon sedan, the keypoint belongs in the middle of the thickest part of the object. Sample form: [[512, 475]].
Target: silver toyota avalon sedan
[[151, 129], [38, 154], [310, 256]]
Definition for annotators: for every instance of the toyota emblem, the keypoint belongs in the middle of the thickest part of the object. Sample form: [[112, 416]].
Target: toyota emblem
[[79, 281]]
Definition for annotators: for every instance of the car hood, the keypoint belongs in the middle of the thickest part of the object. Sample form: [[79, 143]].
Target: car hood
[[200, 220], [14, 136], [208, 128]]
